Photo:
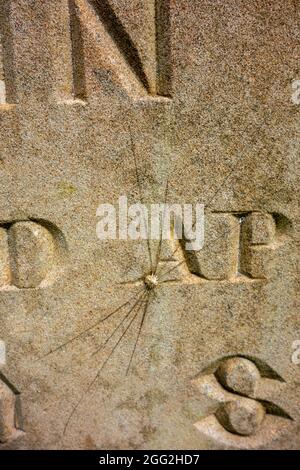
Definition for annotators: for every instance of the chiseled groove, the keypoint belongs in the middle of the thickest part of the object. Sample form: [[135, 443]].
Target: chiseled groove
[[121, 38], [79, 83]]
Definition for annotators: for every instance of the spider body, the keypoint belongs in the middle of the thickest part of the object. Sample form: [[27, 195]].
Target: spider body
[[151, 281]]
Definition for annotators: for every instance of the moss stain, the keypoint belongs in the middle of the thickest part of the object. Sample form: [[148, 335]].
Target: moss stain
[[66, 189]]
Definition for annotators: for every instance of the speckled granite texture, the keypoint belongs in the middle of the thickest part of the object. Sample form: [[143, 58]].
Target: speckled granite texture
[[100, 99]]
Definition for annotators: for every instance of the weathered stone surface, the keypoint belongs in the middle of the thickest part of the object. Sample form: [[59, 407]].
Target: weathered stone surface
[[241, 417], [101, 99]]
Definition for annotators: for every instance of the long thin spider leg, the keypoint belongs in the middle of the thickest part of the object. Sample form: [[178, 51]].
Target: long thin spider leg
[[137, 279], [227, 176], [140, 197], [215, 194], [66, 343], [222, 185], [161, 228], [162, 274], [139, 333], [95, 378], [187, 167], [235, 228], [126, 303], [140, 298], [226, 233], [121, 337]]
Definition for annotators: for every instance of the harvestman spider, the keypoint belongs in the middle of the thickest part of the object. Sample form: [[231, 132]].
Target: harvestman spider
[[139, 303]]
